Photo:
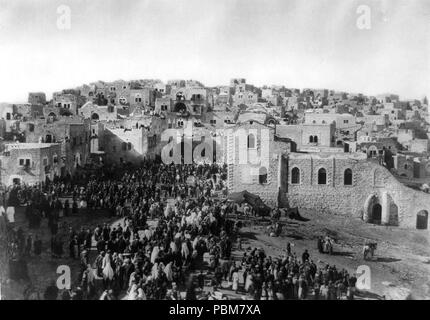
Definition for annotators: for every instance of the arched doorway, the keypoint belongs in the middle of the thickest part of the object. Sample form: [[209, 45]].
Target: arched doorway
[[376, 216], [271, 122], [422, 220], [180, 107], [95, 116]]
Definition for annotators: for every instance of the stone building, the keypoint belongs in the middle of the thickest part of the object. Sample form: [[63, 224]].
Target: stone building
[[191, 100], [73, 134], [132, 140], [163, 105], [408, 166], [95, 112], [342, 121], [378, 121], [338, 183], [27, 110], [68, 101], [220, 118], [30, 163], [349, 184], [309, 135], [6, 111], [36, 98], [254, 160], [418, 145], [7, 114], [244, 98]]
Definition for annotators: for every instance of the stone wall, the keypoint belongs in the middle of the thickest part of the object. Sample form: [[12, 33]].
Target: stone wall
[[74, 136], [36, 98], [371, 184], [102, 113], [38, 170], [264, 158], [301, 134]]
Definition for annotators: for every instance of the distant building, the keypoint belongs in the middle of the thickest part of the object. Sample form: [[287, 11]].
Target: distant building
[[30, 163], [36, 98]]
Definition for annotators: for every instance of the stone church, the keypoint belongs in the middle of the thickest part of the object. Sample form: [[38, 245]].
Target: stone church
[[328, 181]]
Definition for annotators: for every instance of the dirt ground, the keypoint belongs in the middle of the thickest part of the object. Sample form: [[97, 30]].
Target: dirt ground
[[401, 262]]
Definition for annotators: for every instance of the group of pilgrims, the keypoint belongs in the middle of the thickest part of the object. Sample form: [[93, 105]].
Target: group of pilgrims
[[173, 238]]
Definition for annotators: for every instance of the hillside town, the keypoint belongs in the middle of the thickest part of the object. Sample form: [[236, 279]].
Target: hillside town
[[175, 190]]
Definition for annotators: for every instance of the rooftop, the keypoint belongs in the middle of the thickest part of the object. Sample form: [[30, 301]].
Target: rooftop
[[31, 145]]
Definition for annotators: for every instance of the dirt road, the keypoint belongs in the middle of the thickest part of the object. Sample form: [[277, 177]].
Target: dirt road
[[402, 260]]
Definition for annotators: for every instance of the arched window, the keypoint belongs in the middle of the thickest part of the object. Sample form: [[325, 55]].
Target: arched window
[[315, 139], [347, 177], [262, 175], [129, 145], [124, 146], [295, 176], [322, 176], [251, 141], [311, 139]]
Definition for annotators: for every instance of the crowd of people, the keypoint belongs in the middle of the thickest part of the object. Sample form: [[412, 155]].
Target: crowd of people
[[160, 247]]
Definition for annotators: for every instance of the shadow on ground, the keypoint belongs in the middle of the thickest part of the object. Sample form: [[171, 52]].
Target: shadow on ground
[[387, 259]]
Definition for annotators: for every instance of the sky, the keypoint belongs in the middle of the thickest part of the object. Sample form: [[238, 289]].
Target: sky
[[296, 43]]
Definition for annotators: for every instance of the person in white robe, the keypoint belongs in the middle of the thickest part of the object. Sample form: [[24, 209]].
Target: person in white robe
[[108, 272], [154, 254], [169, 271], [10, 214], [235, 279], [185, 251]]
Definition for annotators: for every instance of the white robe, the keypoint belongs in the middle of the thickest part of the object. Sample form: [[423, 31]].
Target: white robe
[[10, 213], [235, 281], [108, 272], [185, 251], [168, 271], [154, 254], [248, 282]]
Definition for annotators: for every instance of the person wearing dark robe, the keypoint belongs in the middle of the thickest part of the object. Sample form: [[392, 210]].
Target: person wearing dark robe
[[101, 245], [99, 264], [51, 292], [29, 215], [74, 248], [190, 291], [88, 240], [66, 208], [320, 245], [74, 207], [29, 245], [65, 295], [54, 226], [305, 256], [58, 246], [37, 246]]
